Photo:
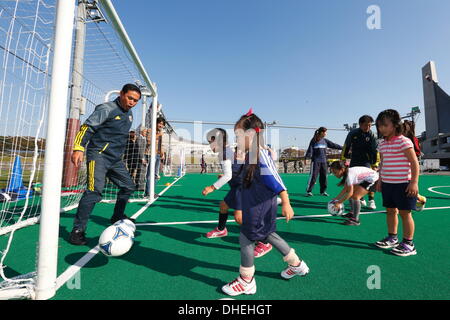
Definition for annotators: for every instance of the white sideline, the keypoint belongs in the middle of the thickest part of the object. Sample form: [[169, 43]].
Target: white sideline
[[75, 268], [278, 218]]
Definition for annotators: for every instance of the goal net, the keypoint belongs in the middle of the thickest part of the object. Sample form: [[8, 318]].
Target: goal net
[[102, 62]]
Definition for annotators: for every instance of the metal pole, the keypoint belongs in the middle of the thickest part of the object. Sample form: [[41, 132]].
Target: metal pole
[[153, 148], [73, 123], [78, 62], [54, 156], [144, 111], [169, 153]]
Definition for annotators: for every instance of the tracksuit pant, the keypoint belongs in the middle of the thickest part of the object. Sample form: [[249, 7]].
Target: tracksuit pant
[[318, 169], [98, 169]]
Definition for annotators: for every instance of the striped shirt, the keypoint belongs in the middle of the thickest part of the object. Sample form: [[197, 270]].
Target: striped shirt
[[396, 167]]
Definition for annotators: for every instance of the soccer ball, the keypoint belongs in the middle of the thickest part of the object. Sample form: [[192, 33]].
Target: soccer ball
[[127, 225], [332, 209], [116, 240], [279, 201]]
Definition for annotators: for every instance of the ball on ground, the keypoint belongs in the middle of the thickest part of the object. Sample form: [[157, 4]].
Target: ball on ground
[[115, 241], [333, 210]]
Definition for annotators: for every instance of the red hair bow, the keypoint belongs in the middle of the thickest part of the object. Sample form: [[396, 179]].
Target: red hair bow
[[257, 130], [249, 113]]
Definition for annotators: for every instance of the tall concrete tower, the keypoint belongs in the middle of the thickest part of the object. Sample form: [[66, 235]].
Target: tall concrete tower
[[437, 116]]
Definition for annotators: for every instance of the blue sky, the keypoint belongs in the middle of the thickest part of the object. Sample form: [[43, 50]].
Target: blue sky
[[311, 63]]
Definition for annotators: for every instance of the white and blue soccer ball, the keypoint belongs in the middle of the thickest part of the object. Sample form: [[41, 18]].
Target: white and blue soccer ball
[[333, 210], [116, 240]]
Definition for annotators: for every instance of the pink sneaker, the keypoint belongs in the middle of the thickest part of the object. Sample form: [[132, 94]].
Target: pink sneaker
[[216, 233], [261, 249]]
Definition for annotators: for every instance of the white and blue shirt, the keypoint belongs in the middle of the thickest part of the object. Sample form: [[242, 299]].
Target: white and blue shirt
[[317, 150]]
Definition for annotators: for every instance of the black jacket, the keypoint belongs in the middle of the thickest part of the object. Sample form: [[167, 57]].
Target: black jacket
[[105, 131]]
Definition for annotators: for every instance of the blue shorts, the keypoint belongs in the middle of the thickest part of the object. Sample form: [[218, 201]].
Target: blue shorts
[[394, 196], [233, 199]]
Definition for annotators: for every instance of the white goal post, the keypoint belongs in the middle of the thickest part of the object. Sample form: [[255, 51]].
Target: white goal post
[[50, 58]]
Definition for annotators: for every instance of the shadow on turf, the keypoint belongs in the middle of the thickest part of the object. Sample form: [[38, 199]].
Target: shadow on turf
[[309, 205], [175, 265], [184, 207], [324, 241], [234, 230], [185, 203], [192, 237], [180, 265], [438, 198], [200, 199], [99, 260], [11, 273]]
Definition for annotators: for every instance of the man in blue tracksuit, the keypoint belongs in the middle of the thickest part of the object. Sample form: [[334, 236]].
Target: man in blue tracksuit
[[103, 137], [317, 152]]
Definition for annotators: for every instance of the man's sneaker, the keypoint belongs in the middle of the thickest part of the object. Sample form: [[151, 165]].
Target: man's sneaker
[[309, 194], [216, 233], [324, 194], [363, 203], [372, 204], [404, 250], [291, 271], [386, 243], [240, 286], [77, 237], [351, 222], [261, 249], [420, 205]]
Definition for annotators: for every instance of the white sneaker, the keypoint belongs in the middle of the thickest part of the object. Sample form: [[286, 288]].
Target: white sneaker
[[291, 271], [239, 286], [363, 203], [372, 204]]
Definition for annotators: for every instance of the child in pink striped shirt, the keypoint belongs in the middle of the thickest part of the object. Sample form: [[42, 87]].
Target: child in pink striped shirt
[[398, 183]]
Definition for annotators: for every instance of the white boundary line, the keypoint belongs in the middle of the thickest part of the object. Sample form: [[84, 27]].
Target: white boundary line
[[445, 194], [137, 214], [278, 218], [75, 268]]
